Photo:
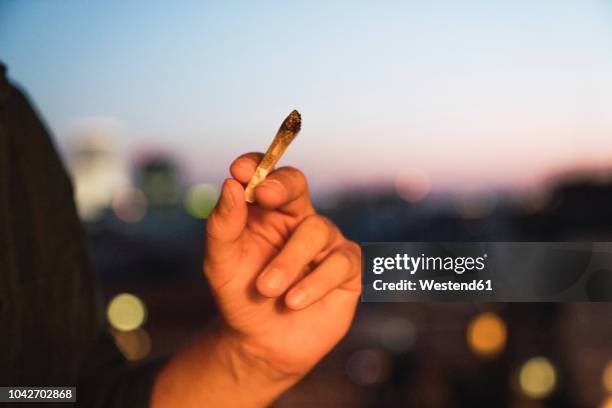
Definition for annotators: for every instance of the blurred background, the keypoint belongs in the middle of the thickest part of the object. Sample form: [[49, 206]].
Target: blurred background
[[439, 120]]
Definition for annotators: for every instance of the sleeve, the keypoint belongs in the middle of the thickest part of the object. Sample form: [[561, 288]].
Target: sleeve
[[81, 352], [106, 379]]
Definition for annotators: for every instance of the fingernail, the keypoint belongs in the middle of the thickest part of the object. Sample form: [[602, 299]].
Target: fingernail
[[227, 199], [273, 184], [297, 298], [273, 279]]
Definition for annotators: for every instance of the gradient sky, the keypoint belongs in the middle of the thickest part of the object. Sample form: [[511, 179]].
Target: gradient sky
[[472, 93]]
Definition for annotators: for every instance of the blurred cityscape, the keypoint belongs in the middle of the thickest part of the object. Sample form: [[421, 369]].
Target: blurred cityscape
[[437, 98], [145, 222]]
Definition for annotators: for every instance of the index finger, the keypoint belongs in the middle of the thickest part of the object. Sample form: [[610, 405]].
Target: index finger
[[243, 168], [285, 189]]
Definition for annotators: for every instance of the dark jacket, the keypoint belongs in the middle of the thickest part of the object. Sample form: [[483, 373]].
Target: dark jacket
[[51, 328]]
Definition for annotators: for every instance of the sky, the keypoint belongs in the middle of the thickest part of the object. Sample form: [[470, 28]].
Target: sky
[[470, 94]]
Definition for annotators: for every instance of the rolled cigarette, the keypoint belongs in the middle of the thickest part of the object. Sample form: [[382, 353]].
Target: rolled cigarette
[[286, 133]]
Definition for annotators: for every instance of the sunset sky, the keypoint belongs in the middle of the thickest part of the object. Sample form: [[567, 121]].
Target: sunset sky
[[472, 94]]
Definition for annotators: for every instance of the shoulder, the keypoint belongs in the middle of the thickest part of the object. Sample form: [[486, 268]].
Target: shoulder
[[5, 87]]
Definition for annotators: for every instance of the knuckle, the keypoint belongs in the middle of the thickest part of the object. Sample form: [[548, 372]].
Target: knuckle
[[345, 258], [313, 221], [293, 177], [318, 222], [354, 248], [293, 171], [326, 222]]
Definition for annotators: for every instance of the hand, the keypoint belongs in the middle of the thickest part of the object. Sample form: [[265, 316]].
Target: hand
[[285, 278], [286, 282]]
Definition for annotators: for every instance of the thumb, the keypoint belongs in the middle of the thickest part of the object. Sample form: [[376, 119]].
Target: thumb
[[224, 232]]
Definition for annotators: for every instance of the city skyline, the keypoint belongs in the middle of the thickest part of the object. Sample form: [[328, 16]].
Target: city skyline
[[471, 96]]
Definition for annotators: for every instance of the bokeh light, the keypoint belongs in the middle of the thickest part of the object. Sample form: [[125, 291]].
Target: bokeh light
[[412, 185], [606, 378], [97, 164], [368, 367], [607, 403], [126, 312], [201, 199], [526, 403], [130, 205], [473, 207], [486, 334], [134, 344], [398, 334], [533, 200], [537, 378]]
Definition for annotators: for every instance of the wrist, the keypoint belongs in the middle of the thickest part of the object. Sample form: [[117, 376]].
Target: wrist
[[247, 360], [220, 369]]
